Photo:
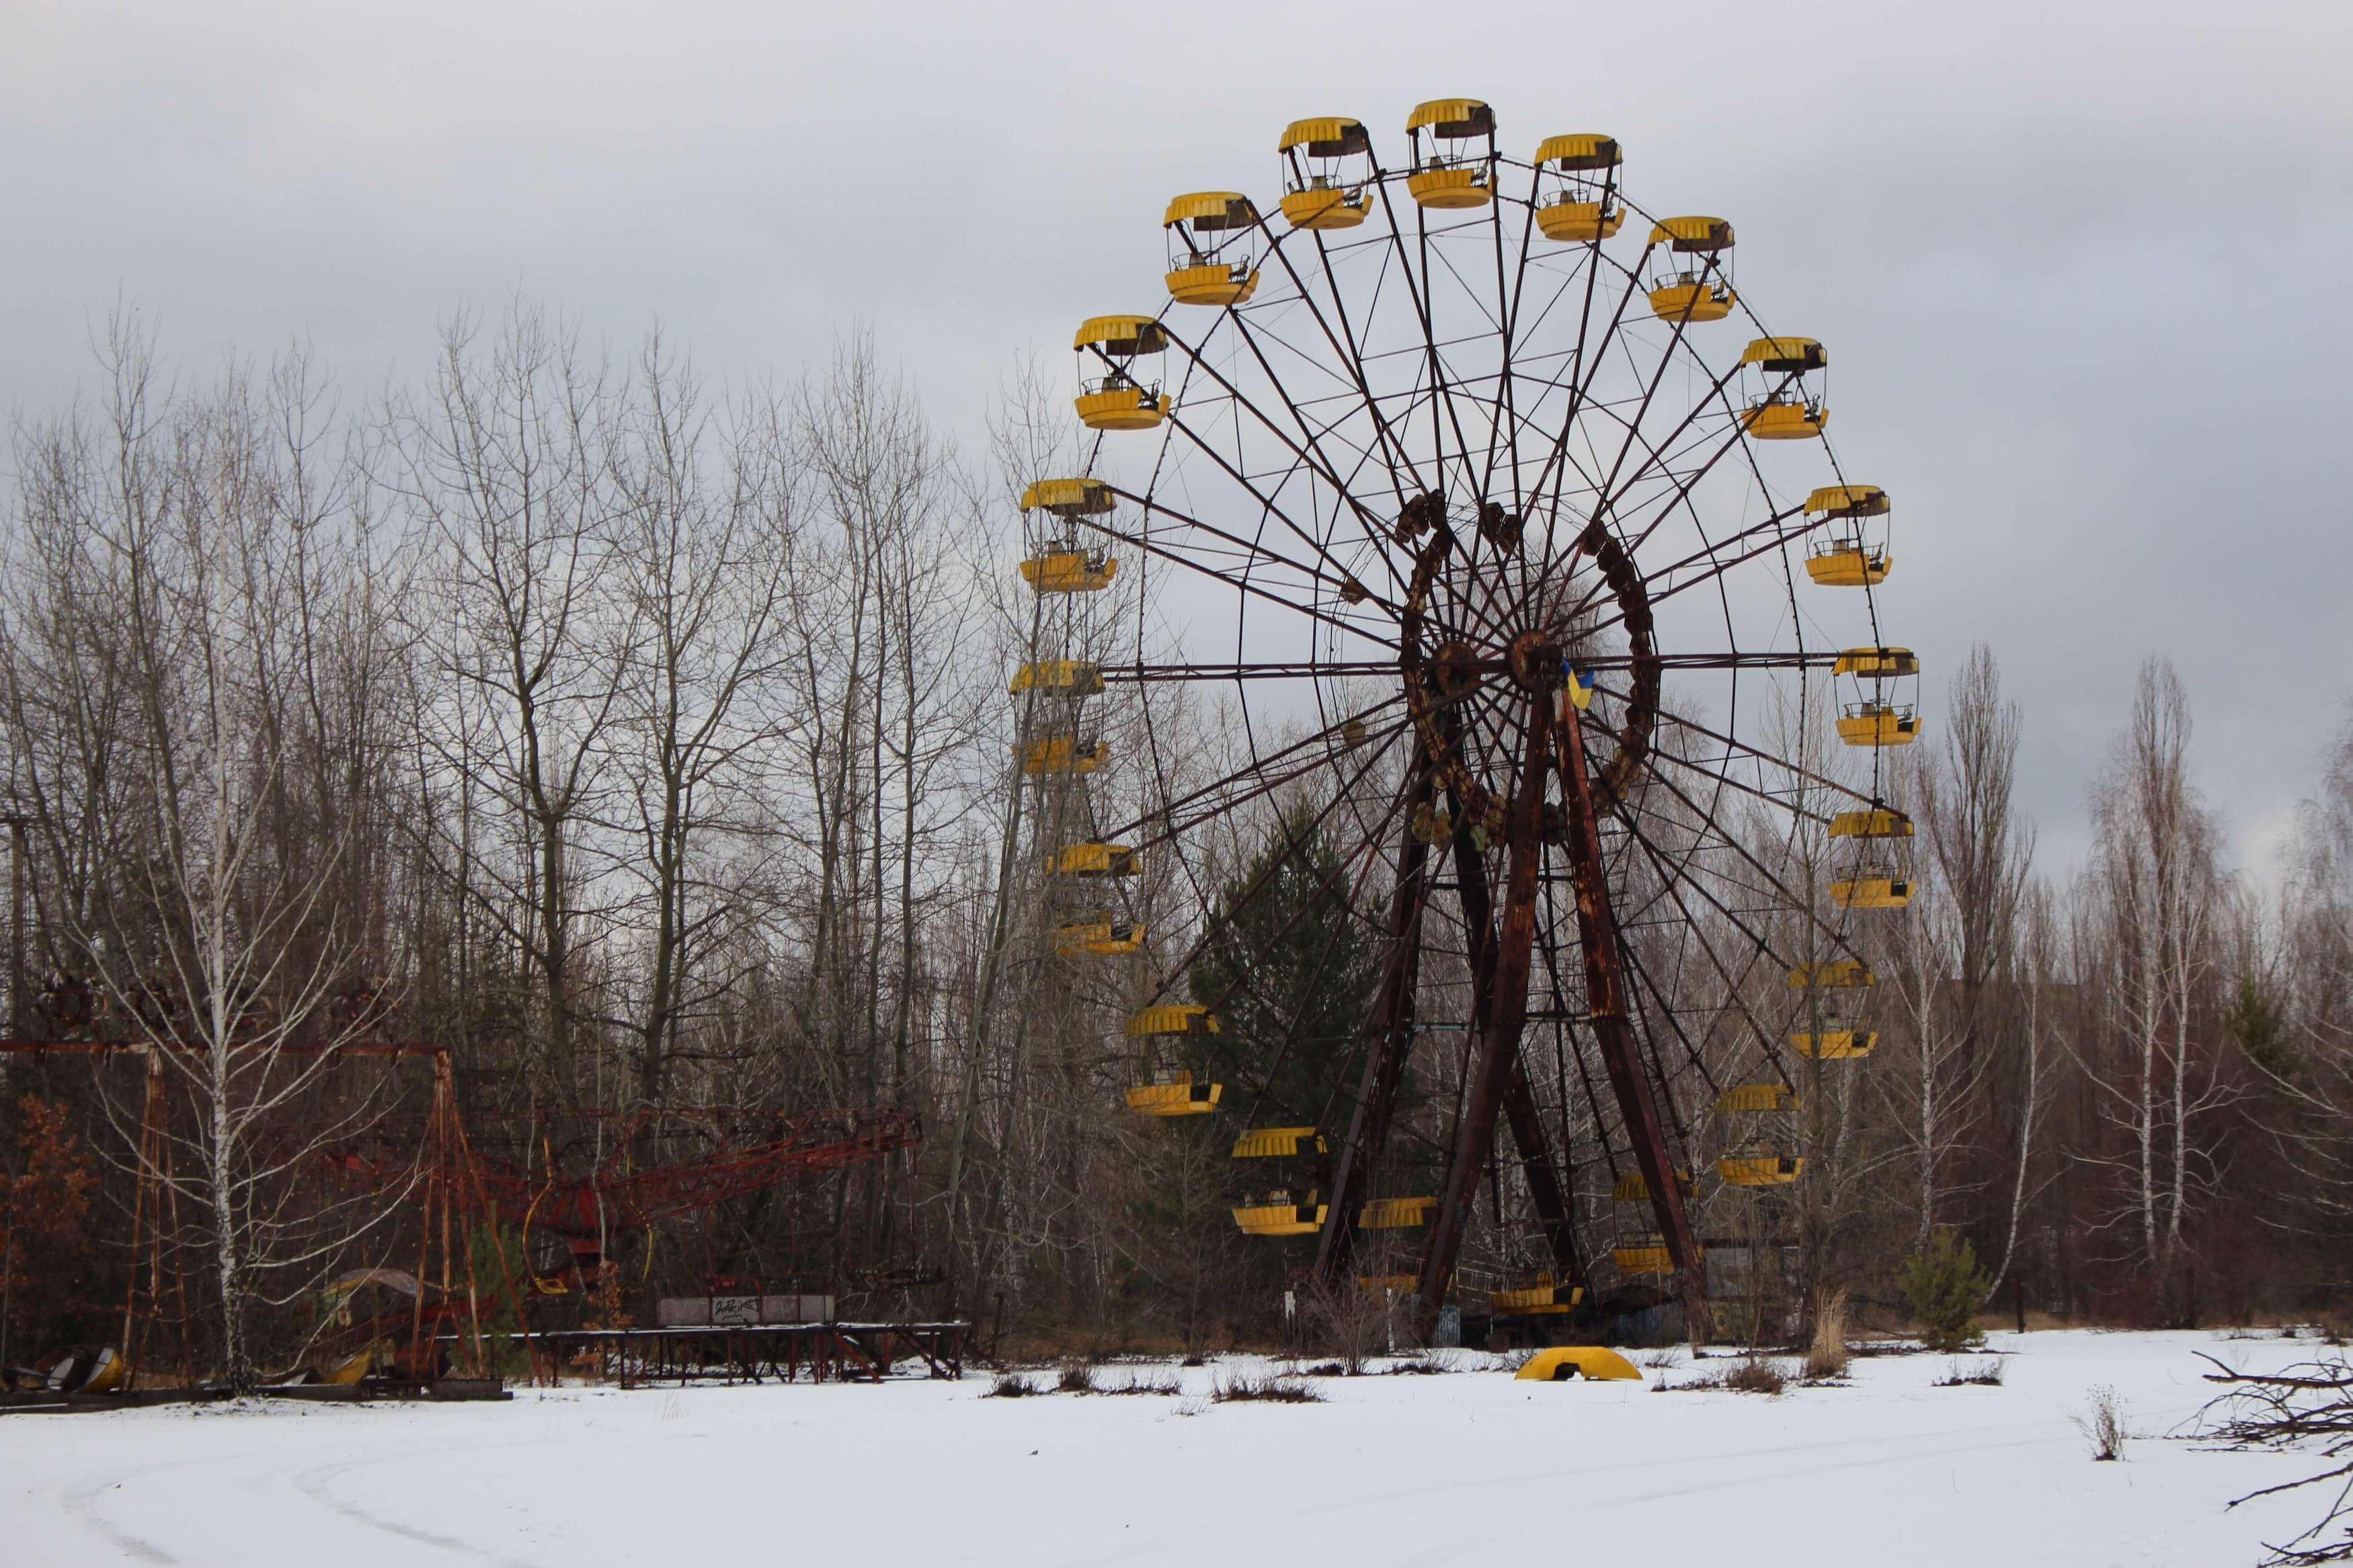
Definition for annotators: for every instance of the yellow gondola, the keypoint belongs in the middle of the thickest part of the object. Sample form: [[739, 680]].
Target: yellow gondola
[[1069, 571], [1787, 411], [1846, 563], [1327, 167], [1093, 860], [1834, 1042], [1543, 1298], [1682, 292], [1203, 268], [1099, 936], [1116, 399], [1756, 1099], [1280, 1212], [1847, 559], [1759, 1163], [1784, 419], [1632, 1188], [1583, 204], [1876, 723], [1873, 888], [1594, 1363], [1836, 972], [1878, 719], [1448, 176], [1646, 1257], [1395, 1214], [1063, 755], [1174, 1095], [1071, 676]]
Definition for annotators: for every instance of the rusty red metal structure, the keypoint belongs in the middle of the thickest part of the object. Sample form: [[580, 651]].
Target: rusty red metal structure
[[431, 1169]]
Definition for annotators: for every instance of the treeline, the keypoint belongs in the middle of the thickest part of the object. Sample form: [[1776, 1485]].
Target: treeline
[[650, 747]]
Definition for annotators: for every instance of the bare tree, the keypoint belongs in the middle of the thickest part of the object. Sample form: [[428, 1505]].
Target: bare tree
[[243, 775], [2154, 900], [507, 466]]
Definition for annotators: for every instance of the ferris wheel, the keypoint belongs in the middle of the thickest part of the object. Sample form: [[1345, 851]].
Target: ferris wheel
[[1513, 540]]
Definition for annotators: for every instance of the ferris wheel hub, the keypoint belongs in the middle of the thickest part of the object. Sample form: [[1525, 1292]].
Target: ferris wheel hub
[[1537, 662]]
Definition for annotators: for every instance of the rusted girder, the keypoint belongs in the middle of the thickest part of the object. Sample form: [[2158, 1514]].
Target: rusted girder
[[1613, 1030], [1392, 1043], [1520, 1112], [1498, 1035]]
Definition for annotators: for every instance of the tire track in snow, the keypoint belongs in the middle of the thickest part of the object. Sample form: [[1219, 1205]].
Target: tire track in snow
[[81, 1505], [1452, 1551], [312, 1484]]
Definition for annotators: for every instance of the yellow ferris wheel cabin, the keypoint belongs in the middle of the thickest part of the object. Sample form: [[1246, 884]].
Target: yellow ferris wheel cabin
[[1584, 207], [1846, 559], [1450, 176], [1685, 292], [1328, 164], [1115, 399], [1199, 225]]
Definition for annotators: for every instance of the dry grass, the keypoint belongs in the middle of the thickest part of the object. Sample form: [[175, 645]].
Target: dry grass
[[1826, 1355], [1268, 1388], [1075, 1376]]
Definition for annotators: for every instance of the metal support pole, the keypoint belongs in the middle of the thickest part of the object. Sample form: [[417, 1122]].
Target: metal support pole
[[1368, 1122], [1499, 1039], [1613, 1030], [1520, 1112]]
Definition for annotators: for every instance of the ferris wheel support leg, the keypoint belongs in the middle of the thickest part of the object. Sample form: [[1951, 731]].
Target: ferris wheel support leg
[[1392, 1022], [1614, 1031], [1520, 1112], [1498, 1049]]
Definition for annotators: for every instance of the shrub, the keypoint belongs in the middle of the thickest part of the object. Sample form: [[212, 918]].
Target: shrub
[[1075, 1377], [1273, 1388], [1139, 1384], [1944, 1286], [2103, 1426], [1009, 1385], [1429, 1363], [1755, 1374], [1750, 1374], [1984, 1372]]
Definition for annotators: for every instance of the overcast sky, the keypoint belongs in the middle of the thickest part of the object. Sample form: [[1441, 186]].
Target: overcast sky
[[2083, 266]]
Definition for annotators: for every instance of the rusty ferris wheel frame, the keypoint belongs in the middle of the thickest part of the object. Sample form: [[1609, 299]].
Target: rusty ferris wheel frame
[[1474, 516]]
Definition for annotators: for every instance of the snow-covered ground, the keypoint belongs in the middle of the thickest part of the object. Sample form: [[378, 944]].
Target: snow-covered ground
[[1474, 1467]]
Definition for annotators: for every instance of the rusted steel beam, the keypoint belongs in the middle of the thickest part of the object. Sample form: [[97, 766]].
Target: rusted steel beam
[[1613, 1030], [1498, 1037], [1392, 1043], [1520, 1111]]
